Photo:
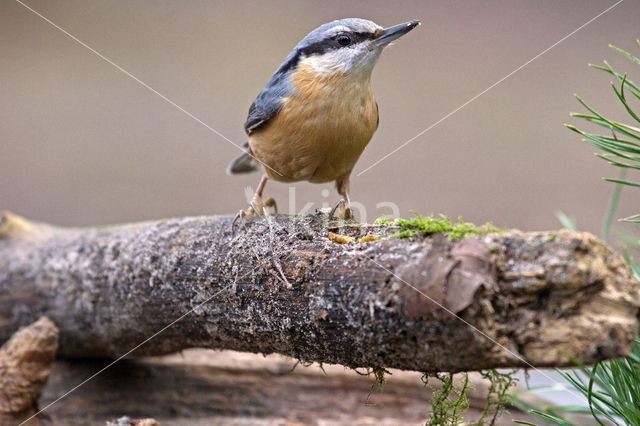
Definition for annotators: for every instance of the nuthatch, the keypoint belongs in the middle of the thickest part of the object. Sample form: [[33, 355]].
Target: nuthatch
[[317, 113]]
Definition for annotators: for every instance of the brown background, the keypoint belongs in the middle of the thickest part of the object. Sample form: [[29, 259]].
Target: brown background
[[81, 143]]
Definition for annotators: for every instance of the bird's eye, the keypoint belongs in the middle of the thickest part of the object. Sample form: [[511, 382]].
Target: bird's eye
[[343, 40]]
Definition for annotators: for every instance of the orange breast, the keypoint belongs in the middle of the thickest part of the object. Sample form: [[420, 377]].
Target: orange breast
[[321, 130]]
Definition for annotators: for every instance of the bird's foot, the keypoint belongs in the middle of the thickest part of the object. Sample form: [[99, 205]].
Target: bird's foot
[[342, 210], [258, 207], [270, 203]]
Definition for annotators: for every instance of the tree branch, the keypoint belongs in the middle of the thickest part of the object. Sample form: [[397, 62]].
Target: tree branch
[[25, 362], [281, 285]]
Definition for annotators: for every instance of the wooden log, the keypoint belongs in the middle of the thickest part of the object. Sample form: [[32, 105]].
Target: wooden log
[[508, 299], [204, 387], [25, 363]]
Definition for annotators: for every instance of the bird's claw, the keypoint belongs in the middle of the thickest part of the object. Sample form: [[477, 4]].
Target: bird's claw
[[342, 210], [257, 207], [271, 203], [240, 217]]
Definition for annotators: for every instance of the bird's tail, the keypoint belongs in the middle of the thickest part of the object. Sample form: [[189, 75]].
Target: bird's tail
[[244, 163]]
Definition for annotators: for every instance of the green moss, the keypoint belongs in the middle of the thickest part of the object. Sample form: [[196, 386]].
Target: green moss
[[383, 220], [420, 226], [379, 379], [498, 397], [378, 374], [448, 401]]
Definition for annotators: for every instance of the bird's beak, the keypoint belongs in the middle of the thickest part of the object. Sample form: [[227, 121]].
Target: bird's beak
[[393, 33]]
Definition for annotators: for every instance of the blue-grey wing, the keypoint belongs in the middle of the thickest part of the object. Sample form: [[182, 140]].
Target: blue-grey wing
[[269, 101], [263, 109]]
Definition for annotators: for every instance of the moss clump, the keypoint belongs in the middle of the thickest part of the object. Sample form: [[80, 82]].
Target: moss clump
[[448, 401], [420, 226], [498, 397], [378, 373]]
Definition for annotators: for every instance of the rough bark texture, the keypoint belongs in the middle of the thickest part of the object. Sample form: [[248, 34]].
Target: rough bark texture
[[25, 363], [282, 285]]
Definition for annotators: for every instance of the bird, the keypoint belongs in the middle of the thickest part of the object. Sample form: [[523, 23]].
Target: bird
[[317, 113]]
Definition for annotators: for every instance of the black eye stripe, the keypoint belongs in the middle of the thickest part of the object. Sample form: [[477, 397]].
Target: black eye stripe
[[320, 47], [364, 36], [331, 43], [356, 37]]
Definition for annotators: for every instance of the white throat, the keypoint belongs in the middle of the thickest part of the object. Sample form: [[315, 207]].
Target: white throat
[[357, 60]]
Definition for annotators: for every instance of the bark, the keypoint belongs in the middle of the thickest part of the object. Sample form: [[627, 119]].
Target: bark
[[282, 285], [128, 421], [25, 363]]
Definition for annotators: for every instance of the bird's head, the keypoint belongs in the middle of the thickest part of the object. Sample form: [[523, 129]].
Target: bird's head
[[349, 45]]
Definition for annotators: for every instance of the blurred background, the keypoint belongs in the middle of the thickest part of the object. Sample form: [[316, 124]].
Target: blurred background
[[83, 144]]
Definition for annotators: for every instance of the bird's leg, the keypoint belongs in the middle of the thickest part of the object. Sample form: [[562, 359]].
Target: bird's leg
[[343, 208], [257, 205]]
